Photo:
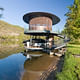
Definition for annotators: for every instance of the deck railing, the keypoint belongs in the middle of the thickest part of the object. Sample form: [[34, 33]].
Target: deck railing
[[59, 42]]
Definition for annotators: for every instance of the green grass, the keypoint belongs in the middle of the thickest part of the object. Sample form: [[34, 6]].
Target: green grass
[[71, 67], [74, 49]]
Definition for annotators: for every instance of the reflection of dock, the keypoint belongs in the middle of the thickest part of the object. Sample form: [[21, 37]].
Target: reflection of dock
[[46, 73], [36, 67], [50, 73]]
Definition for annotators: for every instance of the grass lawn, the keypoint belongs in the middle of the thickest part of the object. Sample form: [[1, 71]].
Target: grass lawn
[[71, 67]]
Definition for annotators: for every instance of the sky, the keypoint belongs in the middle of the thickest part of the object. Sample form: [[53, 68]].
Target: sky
[[15, 9]]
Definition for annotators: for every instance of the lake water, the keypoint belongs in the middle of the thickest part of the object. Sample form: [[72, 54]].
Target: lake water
[[17, 67]]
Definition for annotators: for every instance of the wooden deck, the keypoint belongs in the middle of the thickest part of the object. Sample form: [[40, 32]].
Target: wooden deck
[[33, 48]]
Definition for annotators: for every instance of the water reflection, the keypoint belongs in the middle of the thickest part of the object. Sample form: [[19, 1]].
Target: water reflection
[[34, 67], [12, 67], [18, 67]]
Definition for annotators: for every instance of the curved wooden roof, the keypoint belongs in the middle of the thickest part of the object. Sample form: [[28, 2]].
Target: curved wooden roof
[[27, 17]]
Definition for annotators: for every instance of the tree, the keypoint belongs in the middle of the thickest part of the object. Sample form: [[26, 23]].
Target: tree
[[1, 12], [72, 26]]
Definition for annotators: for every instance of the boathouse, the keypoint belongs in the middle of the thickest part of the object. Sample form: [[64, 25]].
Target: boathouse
[[40, 30]]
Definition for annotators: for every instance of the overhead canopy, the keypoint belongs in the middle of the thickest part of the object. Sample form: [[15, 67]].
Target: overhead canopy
[[40, 33], [27, 17]]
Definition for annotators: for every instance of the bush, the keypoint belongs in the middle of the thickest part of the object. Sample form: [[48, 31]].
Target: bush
[[71, 67]]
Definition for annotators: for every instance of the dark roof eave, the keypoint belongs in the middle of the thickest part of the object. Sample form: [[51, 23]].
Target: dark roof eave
[[27, 17], [41, 34]]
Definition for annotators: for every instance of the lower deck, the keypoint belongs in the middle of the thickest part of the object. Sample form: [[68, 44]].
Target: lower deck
[[46, 41], [57, 50]]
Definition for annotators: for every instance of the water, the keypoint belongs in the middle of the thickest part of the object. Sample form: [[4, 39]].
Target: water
[[11, 68], [18, 67]]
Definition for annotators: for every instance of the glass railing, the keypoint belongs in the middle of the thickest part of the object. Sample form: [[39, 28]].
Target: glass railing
[[59, 42], [28, 31]]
